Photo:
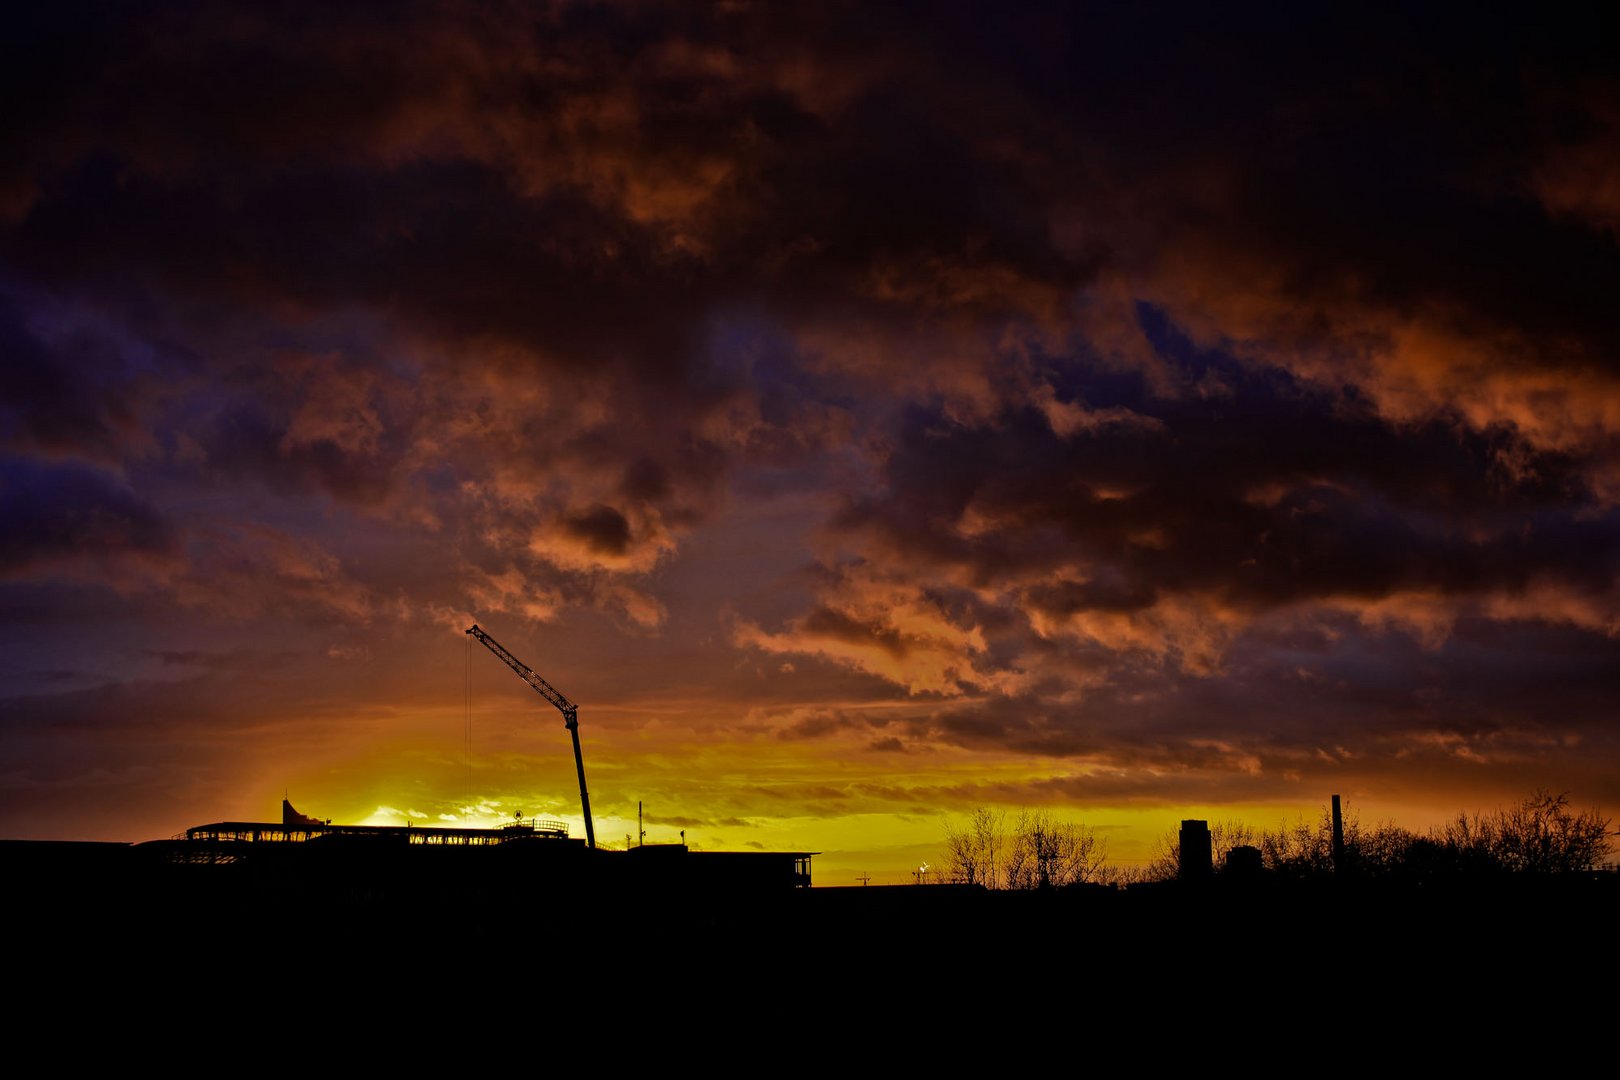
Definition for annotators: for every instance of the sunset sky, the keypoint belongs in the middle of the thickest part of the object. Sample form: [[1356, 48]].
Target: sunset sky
[[865, 412]]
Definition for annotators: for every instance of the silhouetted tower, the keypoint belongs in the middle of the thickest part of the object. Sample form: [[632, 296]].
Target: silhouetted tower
[[1197, 852], [1338, 838]]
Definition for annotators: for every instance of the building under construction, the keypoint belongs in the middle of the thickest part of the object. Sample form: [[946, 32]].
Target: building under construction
[[299, 864], [304, 860], [302, 846]]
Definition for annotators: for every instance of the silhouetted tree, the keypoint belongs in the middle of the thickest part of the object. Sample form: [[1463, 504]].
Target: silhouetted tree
[[1043, 851], [1381, 851], [1305, 849], [973, 853], [1538, 835], [1301, 849]]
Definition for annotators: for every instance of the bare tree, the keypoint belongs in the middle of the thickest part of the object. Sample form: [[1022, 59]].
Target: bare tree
[[1538, 835], [963, 864], [1304, 849], [973, 853], [990, 830], [1044, 851]]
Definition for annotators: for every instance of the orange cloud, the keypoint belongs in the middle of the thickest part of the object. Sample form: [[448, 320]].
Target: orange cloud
[[889, 627]]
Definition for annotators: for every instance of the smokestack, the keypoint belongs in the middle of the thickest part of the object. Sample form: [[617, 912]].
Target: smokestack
[[1338, 838]]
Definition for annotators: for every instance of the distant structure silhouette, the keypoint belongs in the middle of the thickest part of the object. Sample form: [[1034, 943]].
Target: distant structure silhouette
[[1197, 851], [1338, 837], [569, 710], [292, 819], [315, 857]]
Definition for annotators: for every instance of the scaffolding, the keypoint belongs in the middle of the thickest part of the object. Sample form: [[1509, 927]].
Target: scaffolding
[[260, 832]]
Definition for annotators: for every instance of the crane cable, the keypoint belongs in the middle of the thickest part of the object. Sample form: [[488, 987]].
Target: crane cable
[[466, 726]]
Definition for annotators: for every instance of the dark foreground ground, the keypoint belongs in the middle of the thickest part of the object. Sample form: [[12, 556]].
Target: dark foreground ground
[[1507, 972]]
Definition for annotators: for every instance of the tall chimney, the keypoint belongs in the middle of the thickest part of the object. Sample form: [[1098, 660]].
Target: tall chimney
[[1338, 838]]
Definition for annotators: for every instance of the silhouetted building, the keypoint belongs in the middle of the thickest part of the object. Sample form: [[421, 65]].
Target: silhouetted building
[[1197, 852], [307, 855]]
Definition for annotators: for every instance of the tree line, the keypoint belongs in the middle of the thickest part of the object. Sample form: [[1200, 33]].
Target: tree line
[[1539, 835], [1037, 850]]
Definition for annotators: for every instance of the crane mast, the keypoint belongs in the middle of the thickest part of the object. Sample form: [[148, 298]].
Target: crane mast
[[569, 710]]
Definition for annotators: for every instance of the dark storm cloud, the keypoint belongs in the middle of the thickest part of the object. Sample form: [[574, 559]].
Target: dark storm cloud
[[1180, 374], [1365, 710], [58, 514], [514, 217], [586, 181], [604, 529], [54, 401], [1270, 494]]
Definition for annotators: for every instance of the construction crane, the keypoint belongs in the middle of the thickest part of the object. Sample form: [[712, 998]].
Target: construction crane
[[569, 710]]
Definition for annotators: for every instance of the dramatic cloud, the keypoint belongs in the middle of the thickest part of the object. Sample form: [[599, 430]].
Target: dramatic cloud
[[869, 410]]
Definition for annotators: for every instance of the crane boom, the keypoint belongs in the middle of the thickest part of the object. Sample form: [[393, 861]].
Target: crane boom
[[569, 710]]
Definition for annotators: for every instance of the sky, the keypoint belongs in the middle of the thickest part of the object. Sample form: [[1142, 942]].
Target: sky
[[865, 413]]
